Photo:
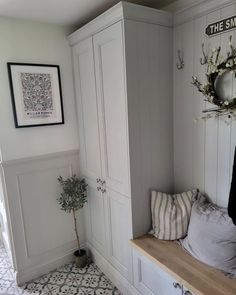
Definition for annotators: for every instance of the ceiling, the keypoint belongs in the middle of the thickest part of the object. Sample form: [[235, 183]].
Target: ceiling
[[64, 12]]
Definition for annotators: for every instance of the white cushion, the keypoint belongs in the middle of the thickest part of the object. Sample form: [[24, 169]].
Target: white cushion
[[171, 214]]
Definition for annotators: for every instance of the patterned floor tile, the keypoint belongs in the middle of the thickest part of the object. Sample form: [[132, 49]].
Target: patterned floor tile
[[66, 280]]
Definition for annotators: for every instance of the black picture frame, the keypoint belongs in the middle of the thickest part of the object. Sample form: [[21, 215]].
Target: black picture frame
[[17, 98]]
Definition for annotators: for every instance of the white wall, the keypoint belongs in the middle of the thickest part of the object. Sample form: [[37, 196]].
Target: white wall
[[32, 42], [203, 151], [40, 234]]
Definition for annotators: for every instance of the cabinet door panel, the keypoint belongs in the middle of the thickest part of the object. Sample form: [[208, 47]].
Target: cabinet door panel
[[90, 159], [150, 279], [96, 235], [119, 231], [110, 77]]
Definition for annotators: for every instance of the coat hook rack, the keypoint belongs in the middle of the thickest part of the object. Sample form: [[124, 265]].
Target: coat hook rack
[[203, 60], [180, 64]]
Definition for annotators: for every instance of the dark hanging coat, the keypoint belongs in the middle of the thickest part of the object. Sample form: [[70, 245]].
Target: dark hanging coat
[[232, 196]]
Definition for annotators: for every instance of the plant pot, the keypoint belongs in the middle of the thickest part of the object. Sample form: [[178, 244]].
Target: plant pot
[[80, 258]]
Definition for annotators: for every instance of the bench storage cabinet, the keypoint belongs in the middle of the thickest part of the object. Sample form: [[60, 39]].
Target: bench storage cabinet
[[152, 280], [164, 268]]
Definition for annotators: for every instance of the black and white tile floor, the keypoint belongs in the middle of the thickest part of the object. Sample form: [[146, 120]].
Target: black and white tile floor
[[66, 280]]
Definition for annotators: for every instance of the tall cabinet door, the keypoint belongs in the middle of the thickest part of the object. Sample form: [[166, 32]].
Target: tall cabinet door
[[90, 154], [96, 221], [111, 93], [119, 231]]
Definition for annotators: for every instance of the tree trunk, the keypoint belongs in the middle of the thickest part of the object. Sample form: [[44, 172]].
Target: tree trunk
[[76, 230]]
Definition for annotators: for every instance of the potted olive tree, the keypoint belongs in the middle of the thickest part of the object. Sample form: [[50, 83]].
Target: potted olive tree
[[73, 198]]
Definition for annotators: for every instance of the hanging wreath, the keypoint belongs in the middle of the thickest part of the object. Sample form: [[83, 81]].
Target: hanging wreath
[[217, 67]]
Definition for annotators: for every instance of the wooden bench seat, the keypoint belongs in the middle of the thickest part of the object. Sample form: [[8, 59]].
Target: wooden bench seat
[[197, 277]]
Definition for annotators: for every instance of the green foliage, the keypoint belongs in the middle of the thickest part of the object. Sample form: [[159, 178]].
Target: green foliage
[[74, 193]]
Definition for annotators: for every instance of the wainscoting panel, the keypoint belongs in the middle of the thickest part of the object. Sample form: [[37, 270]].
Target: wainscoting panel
[[203, 150], [42, 233], [41, 218]]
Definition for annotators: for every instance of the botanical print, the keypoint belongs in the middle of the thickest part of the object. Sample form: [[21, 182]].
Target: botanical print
[[37, 94]]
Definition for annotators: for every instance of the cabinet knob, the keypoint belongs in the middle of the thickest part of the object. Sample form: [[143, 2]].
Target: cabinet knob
[[103, 190], [187, 292], [98, 188], [177, 285], [98, 180], [103, 182]]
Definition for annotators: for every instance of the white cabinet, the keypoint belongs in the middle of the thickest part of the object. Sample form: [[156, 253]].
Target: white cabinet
[[119, 231], [96, 219], [151, 280], [110, 77], [85, 86], [109, 226], [122, 66], [103, 119], [103, 116]]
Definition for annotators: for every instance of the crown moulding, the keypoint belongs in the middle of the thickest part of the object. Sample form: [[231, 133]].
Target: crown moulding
[[126, 11], [183, 12]]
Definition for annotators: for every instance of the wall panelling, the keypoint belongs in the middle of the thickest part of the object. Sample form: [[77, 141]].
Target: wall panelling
[[43, 235], [203, 150]]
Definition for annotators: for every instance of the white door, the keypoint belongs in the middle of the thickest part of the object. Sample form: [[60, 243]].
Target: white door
[[111, 93], [96, 218], [119, 232], [90, 159]]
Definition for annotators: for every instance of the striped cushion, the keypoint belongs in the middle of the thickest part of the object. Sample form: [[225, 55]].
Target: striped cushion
[[171, 214]]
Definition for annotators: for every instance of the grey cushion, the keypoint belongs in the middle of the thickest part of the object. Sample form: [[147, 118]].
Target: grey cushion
[[211, 236]]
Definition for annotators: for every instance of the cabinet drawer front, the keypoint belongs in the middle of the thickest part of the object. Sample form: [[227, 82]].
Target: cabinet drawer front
[[90, 155], [151, 280], [110, 77]]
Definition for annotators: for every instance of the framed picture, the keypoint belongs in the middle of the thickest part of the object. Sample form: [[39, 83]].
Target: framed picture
[[36, 94]]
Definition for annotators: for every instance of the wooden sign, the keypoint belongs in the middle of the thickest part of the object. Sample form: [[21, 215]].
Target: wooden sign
[[221, 26]]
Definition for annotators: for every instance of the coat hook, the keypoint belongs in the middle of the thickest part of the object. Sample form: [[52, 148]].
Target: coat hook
[[231, 45], [203, 60], [180, 64], [218, 54]]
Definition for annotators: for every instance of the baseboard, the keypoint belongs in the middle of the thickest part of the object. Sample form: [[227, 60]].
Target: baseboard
[[113, 274], [36, 271]]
